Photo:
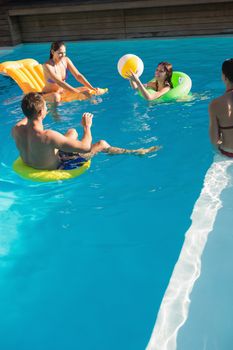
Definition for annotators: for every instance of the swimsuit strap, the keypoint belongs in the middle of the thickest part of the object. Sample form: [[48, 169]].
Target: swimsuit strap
[[225, 153], [226, 127], [51, 81]]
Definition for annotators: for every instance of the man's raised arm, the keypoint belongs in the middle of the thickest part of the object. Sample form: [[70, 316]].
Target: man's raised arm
[[69, 144]]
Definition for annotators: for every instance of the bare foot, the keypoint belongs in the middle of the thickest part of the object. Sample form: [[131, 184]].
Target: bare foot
[[101, 91]]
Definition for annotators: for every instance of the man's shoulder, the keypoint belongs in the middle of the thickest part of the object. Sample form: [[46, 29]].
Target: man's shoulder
[[17, 129], [51, 135], [50, 132]]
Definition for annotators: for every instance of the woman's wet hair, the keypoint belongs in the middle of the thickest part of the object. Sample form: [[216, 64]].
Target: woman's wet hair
[[55, 46], [32, 104], [168, 69], [227, 69]]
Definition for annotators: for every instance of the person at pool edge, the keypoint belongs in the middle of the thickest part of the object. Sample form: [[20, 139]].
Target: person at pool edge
[[161, 85], [221, 114], [49, 149], [55, 73]]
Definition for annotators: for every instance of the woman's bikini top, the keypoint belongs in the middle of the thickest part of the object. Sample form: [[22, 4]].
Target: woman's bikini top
[[51, 80]]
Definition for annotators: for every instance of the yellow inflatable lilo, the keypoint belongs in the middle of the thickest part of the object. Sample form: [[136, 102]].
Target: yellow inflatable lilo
[[30, 173], [29, 75]]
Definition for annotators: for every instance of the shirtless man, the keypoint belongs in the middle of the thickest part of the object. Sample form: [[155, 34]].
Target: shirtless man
[[221, 114], [49, 149]]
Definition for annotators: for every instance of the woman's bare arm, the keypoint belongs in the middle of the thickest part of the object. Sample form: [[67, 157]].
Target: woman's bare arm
[[70, 144], [146, 94], [78, 76]]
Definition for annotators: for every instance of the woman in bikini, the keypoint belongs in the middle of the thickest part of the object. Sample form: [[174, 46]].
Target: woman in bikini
[[55, 73], [161, 85], [221, 114]]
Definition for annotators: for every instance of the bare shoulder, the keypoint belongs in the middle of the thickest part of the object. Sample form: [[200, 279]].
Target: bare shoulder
[[47, 63], [48, 66], [68, 61], [214, 104], [51, 133], [20, 128], [70, 65], [52, 136]]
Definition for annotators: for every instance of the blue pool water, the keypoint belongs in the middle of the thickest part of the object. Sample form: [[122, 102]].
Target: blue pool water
[[85, 263]]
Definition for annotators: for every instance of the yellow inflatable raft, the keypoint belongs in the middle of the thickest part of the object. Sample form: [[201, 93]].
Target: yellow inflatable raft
[[29, 75], [29, 173]]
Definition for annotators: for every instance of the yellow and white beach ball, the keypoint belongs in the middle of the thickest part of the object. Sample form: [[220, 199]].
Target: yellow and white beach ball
[[129, 63]]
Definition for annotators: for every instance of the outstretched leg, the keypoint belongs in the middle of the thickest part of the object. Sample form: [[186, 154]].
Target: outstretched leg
[[103, 146], [138, 152]]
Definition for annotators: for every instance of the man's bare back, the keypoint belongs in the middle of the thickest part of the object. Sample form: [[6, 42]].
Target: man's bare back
[[38, 147], [35, 148]]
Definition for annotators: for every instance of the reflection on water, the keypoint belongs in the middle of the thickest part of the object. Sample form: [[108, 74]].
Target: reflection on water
[[174, 309]]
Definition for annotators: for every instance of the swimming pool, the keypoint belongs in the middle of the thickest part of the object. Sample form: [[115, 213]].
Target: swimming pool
[[85, 263]]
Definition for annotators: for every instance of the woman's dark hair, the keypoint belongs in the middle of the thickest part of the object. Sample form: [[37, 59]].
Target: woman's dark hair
[[55, 46], [168, 69], [227, 69]]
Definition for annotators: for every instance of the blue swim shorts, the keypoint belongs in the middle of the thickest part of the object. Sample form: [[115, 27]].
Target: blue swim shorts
[[69, 161]]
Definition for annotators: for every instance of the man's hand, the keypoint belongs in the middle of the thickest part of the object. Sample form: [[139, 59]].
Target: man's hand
[[87, 120]]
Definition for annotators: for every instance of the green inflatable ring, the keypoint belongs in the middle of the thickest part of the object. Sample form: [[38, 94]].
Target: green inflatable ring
[[181, 86], [29, 173]]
